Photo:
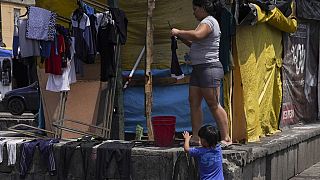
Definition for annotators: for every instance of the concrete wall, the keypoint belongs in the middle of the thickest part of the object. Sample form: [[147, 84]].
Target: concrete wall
[[278, 157]]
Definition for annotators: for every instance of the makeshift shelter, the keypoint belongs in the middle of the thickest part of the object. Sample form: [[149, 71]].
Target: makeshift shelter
[[129, 53], [252, 89]]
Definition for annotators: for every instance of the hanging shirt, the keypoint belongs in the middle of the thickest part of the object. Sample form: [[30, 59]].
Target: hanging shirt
[[54, 62], [81, 30], [28, 47], [58, 83]]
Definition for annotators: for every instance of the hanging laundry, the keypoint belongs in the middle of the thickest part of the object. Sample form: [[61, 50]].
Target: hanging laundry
[[67, 152], [28, 47], [228, 29], [106, 41], [45, 49], [81, 30], [41, 24], [54, 62], [46, 151], [15, 43], [58, 83], [72, 74], [121, 23], [102, 19], [114, 160], [94, 33], [12, 151], [176, 71], [2, 142], [66, 35], [88, 9]]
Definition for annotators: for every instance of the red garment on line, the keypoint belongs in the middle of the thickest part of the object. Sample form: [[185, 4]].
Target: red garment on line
[[53, 64]]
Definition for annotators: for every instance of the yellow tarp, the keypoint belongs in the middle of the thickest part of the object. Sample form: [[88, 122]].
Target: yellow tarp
[[259, 53], [180, 15], [276, 19]]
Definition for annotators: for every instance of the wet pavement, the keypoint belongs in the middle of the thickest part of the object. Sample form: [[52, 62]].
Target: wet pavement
[[311, 173]]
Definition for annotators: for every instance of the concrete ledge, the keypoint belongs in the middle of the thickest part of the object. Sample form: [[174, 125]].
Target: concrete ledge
[[280, 156]]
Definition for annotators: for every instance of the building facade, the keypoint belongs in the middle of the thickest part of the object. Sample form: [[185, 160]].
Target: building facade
[[8, 11]]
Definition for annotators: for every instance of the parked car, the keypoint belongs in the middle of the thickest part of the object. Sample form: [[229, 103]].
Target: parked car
[[26, 99]]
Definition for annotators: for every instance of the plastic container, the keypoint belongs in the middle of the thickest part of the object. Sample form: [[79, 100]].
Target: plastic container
[[164, 128]]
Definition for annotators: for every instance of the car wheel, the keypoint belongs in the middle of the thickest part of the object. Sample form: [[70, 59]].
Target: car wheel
[[34, 112], [16, 106]]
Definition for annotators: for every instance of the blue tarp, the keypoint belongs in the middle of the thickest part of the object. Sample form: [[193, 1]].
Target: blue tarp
[[167, 100], [5, 53]]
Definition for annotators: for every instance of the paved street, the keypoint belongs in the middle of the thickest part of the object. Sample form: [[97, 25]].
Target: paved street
[[311, 173]]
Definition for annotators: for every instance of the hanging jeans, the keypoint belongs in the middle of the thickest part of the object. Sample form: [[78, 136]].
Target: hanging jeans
[[46, 150]]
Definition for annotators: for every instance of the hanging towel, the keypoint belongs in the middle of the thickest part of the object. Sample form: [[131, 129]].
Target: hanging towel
[[41, 24]]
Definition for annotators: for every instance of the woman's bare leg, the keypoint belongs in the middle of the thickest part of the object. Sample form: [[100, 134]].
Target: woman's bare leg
[[211, 95], [195, 98]]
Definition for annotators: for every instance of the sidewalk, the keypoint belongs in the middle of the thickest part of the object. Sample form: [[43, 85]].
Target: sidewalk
[[311, 173]]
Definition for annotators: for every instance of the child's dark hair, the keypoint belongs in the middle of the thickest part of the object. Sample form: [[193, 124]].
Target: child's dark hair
[[210, 134]]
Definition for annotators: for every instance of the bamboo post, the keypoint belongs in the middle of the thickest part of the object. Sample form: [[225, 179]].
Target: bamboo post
[[148, 74]]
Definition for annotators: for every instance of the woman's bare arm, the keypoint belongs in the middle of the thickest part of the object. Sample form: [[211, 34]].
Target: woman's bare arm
[[201, 32]]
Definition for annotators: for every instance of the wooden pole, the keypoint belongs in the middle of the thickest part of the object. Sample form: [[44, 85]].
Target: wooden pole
[[148, 74]]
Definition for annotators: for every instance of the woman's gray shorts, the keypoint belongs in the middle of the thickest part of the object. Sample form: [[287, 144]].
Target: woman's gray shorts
[[206, 75]]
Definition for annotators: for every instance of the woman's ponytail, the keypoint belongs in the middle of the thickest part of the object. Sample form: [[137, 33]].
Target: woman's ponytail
[[214, 8]]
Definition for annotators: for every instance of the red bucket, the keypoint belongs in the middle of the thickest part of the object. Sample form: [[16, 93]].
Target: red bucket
[[164, 128]]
